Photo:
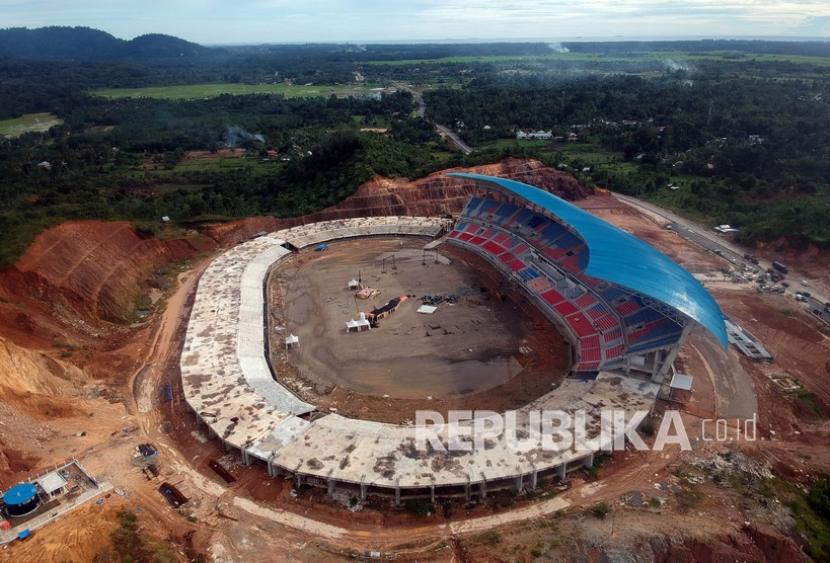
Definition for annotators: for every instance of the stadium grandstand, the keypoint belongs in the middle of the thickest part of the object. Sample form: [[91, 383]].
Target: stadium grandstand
[[621, 303]]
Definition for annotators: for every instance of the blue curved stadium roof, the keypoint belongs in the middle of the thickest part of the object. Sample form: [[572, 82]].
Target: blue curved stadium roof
[[611, 257]]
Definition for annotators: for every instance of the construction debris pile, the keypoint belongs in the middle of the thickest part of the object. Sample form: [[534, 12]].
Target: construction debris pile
[[434, 300], [367, 293]]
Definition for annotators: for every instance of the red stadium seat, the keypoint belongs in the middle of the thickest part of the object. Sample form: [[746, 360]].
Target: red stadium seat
[[566, 308], [614, 352], [606, 322], [589, 354], [501, 238], [581, 325], [613, 335], [553, 297], [591, 341], [586, 301], [492, 248], [627, 308]]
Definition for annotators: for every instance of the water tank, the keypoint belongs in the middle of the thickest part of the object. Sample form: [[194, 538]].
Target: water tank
[[21, 499]]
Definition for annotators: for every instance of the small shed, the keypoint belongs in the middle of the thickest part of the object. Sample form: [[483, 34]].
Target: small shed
[[292, 341], [359, 325], [681, 381], [354, 284]]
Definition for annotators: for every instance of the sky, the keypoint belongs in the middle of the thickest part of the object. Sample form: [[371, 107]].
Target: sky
[[215, 22]]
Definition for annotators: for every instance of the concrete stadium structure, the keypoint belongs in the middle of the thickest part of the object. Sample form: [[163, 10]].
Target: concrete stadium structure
[[228, 383]]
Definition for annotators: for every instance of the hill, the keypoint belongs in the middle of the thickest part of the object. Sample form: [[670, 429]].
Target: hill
[[87, 44]]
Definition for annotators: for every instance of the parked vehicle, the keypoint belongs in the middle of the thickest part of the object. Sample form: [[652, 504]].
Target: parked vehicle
[[780, 267]]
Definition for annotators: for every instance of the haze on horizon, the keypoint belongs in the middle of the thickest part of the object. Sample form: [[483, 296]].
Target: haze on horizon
[[288, 21]]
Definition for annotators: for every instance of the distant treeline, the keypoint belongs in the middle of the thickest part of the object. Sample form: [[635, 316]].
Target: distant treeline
[[87, 44], [754, 46]]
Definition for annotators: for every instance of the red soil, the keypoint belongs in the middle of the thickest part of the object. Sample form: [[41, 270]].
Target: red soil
[[78, 278], [435, 194]]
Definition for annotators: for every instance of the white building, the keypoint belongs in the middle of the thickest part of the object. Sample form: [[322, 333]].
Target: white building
[[359, 325], [545, 135]]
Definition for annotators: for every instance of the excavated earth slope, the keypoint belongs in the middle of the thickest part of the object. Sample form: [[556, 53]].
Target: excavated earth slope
[[435, 194]]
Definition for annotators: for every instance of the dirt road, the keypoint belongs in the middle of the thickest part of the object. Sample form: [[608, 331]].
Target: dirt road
[[732, 252], [144, 382], [456, 140], [734, 390]]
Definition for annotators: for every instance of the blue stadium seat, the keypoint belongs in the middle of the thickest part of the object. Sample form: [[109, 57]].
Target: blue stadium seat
[[643, 316], [471, 206], [505, 211], [528, 274]]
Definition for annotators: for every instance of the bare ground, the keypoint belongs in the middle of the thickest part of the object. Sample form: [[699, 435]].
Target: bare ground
[[490, 350]]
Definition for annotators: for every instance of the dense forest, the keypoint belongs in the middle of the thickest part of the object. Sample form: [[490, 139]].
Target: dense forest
[[118, 160], [755, 153], [739, 138]]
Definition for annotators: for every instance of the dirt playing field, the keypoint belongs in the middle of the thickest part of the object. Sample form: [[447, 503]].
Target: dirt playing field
[[486, 350]]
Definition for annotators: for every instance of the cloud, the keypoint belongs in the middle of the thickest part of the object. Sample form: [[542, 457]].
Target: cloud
[[818, 26], [214, 21]]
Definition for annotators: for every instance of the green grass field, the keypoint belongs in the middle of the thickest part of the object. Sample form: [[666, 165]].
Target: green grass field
[[500, 144], [201, 91], [249, 165], [740, 57], [466, 59], [28, 123]]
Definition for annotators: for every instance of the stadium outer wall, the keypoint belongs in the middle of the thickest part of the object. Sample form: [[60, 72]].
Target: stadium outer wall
[[253, 439]]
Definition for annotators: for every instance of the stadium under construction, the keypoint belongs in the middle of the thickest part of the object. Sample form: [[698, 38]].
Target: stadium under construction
[[624, 307]]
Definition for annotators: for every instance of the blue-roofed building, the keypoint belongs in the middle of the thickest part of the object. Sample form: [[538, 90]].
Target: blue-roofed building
[[649, 302]]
